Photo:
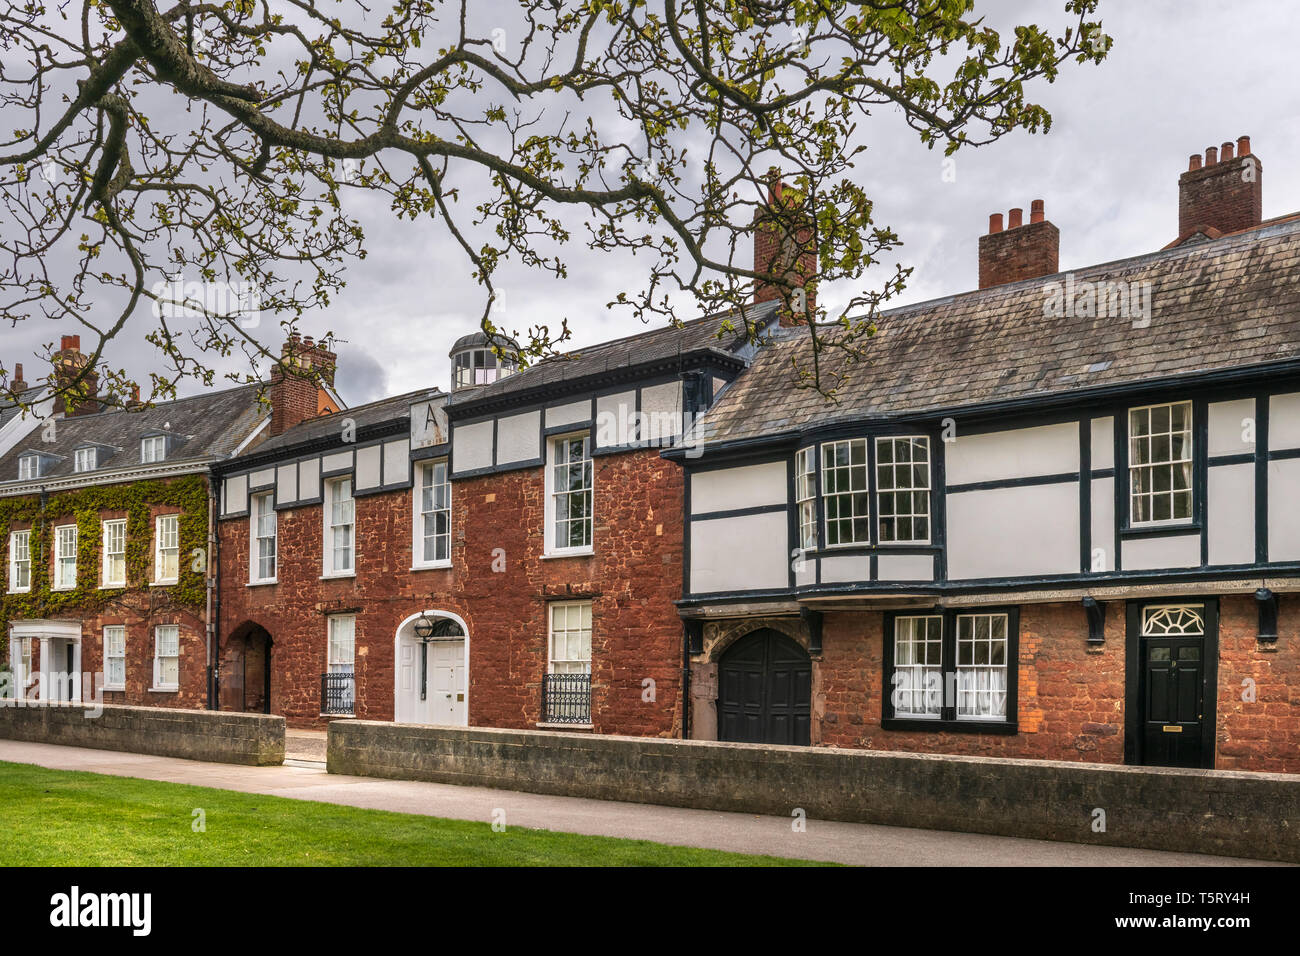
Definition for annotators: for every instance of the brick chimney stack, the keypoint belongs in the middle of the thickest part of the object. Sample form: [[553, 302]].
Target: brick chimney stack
[[304, 369], [781, 246], [68, 364], [1224, 193], [1021, 251], [16, 383]]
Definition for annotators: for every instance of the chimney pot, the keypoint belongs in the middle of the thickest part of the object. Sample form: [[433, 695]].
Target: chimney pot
[[995, 223], [1016, 218], [70, 343], [18, 371], [1194, 163], [1036, 211], [1220, 196], [1023, 251]]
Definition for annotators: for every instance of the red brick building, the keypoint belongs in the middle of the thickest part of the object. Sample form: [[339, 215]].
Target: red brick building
[[506, 554], [104, 514]]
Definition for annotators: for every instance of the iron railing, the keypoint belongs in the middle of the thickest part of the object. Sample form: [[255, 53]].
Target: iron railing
[[337, 693], [566, 698]]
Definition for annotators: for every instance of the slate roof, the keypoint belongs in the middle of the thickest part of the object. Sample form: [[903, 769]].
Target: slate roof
[[393, 408], [1215, 305], [215, 423], [695, 335]]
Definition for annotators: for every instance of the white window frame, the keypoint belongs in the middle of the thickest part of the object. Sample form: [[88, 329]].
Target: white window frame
[[911, 489], [568, 663], [60, 556], [20, 559], [114, 528], [85, 459], [553, 548], [335, 662], [114, 650], [159, 658], [972, 687], [159, 550], [153, 449], [852, 496], [256, 536], [1187, 463], [805, 496], [29, 467], [330, 567], [424, 501], [924, 681]]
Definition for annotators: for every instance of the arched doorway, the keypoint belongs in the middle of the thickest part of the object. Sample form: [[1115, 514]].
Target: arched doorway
[[246, 670], [765, 690], [430, 679]]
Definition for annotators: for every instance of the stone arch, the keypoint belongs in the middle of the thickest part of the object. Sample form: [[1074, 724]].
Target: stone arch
[[246, 660]]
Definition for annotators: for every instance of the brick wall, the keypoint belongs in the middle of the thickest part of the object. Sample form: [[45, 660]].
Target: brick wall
[[1021, 251], [1225, 193], [1259, 688], [632, 580]]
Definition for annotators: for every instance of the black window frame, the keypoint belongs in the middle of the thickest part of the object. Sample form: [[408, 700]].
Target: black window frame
[[948, 720]]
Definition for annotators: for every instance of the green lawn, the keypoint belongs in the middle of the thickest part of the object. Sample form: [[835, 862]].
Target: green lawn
[[60, 817]]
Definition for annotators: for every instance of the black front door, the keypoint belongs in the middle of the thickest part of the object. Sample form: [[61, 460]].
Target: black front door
[[1175, 660], [765, 691]]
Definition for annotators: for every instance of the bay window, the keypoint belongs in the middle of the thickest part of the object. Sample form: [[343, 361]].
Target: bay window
[[903, 490], [805, 493], [845, 497]]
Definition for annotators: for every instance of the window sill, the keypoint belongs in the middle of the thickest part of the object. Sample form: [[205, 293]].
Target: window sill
[[20, 591], [113, 587], [1143, 530], [65, 588], [546, 725], [164, 584], [342, 575], [433, 566], [585, 553], [164, 690], [338, 716], [114, 688], [932, 725], [258, 584]]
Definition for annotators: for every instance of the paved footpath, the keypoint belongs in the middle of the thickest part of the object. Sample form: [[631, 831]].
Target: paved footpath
[[854, 843]]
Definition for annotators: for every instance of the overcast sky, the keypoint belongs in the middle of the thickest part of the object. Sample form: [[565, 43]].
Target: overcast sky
[[1183, 75]]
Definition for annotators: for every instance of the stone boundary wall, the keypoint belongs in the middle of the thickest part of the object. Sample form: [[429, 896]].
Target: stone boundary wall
[[252, 739], [1230, 813]]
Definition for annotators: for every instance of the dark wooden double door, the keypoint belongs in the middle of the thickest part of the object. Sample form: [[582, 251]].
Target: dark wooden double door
[[765, 691]]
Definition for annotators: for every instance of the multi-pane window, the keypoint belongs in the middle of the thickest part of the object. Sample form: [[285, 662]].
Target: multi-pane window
[[982, 666], [342, 644], [28, 467], [918, 666], [844, 492], [83, 459], [20, 561], [570, 651], [114, 559], [571, 492], [952, 666], [65, 557], [167, 550], [340, 518], [805, 488], [166, 657], [153, 449], [339, 686], [903, 489], [1160, 463], [115, 657], [263, 556], [433, 526]]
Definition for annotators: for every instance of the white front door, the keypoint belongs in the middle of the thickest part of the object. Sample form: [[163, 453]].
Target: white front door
[[61, 664], [444, 688], [447, 677]]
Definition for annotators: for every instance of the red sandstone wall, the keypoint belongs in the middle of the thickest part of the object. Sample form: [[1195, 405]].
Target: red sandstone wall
[[632, 580]]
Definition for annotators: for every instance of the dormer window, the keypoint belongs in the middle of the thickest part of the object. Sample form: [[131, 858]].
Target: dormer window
[[153, 449], [29, 466], [85, 459]]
